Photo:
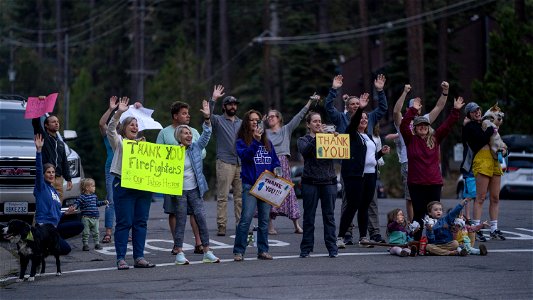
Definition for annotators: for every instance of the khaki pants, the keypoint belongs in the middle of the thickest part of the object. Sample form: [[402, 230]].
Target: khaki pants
[[228, 175], [442, 249], [58, 185]]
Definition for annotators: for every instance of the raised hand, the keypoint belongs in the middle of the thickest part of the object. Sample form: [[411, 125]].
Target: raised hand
[[123, 104], [445, 87], [385, 149], [458, 102], [337, 82], [113, 103], [379, 83], [417, 103], [218, 91], [205, 109], [406, 88], [39, 142], [363, 100]]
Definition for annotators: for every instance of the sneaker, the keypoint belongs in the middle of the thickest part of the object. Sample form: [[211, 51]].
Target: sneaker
[[209, 257], [377, 238], [333, 254], [304, 255], [348, 240], [97, 247], [364, 240], [180, 259], [414, 250], [238, 257], [264, 256], [482, 250], [497, 235], [221, 231], [404, 253], [462, 251], [340, 243], [85, 248], [480, 237]]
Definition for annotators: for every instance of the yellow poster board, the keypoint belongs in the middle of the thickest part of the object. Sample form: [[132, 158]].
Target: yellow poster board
[[153, 167], [329, 146]]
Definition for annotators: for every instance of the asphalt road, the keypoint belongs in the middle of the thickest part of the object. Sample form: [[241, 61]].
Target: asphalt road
[[358, 273]]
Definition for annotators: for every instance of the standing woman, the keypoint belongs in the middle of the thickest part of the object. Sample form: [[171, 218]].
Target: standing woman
[[424, 177], [486, 169], [359, 174], [318, 181], [280, 136], [194, 188], [132, 207], [257, 154]]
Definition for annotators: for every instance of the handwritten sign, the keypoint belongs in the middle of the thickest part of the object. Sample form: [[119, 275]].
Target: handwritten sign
[[153, 167], [37, 107], [329, 146], [271, 189], [143, 116]]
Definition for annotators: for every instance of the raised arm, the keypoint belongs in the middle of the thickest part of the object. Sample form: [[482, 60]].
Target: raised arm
[[397, 110], [111, 132], [295, 121], [445, 128], [103, 120], [306, 146], [333, 114], [39, 177], [435, 112], [381, 110], [206, 127], [405, 125]]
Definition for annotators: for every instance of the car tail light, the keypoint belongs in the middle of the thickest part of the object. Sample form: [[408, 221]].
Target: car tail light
[[510, 169]]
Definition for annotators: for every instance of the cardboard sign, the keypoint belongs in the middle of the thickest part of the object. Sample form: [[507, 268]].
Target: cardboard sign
[[153, 167], [37, 107], [271, 189], [329, 146]]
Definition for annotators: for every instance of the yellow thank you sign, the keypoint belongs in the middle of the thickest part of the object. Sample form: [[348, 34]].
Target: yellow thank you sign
[[153, 167], [330, 146]]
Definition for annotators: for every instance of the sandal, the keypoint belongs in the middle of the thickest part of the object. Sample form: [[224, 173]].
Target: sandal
[[142, 263], [106, 239], [122, 265], [198, 249]]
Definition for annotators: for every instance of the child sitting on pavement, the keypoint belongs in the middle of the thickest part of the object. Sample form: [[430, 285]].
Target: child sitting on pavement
[[400, 233], [88, 204], [439, 235], [464, 235]]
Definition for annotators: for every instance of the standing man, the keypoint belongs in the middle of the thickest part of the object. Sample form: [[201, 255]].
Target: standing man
[[53, 151], [179, 111], [228, 168], [341, 121]]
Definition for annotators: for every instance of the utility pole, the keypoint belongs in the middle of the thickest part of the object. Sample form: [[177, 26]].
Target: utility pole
[[65, 82], [11, 72], [138, 72]]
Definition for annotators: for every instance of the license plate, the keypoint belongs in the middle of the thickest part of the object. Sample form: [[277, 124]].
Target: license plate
[[15, 208]]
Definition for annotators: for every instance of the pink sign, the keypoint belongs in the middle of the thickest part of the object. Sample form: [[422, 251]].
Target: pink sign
[[38, 106]]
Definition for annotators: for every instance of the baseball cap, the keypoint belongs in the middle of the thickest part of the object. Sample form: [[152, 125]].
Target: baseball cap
[[471, 107], [420, 120], [230, 99]]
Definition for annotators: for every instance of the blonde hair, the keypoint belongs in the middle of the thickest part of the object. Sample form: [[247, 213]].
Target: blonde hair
[[84, 185]]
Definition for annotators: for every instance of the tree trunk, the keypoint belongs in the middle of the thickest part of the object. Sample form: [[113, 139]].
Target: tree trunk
[[224, 44], [208, 39], [197, 38], [40, 12], [415, 49], [274, 54], [59, 58], [520, 10], [366, 69], [323, 16], [267, 68]]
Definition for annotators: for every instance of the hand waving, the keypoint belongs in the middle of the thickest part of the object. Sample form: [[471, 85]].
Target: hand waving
[[205, 109], [379, 83], [123, 104], [337, 82], [113, 103], [458, 103], [363, 100], [218, 91]]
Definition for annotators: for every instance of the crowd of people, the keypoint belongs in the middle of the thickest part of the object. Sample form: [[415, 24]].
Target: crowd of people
[[247, 147]]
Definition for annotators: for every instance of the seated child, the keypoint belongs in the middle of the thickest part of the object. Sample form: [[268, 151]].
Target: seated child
[[399, 233], [462, 233], [439, 235], [88, 204]]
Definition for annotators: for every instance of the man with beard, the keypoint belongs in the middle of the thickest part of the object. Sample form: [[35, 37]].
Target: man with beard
[[228, 169], [53, 152]]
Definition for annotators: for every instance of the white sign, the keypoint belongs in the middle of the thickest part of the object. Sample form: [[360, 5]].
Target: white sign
[[271, 189], [143, 116], [458, 152]]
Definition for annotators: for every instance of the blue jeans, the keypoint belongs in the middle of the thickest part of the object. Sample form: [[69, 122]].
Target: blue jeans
[[110, 208], [249, 203], [310, 195], [190, 199], [132, 208], [67, 229]]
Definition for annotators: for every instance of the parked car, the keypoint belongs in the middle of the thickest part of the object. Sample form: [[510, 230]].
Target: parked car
[[517, 178], [17, 162]]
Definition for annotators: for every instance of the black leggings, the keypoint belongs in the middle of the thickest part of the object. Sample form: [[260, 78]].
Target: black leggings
[[359, 193], [421, 195]]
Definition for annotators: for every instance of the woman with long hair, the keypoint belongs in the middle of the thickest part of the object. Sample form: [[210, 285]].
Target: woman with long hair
[[257, 154]]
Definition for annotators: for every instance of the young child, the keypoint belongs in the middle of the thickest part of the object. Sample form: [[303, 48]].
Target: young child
[[464, 233], [400, 233], [88, 204], [440, 236]]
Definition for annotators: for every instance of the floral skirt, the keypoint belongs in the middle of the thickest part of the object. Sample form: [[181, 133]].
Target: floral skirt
[[289, 208]]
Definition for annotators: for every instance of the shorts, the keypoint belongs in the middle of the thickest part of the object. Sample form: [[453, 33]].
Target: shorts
[[403, 170], [169, 205], [485, 164], [469, 190]]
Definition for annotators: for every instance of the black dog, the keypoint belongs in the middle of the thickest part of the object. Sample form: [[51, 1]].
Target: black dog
[[35, 244]]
